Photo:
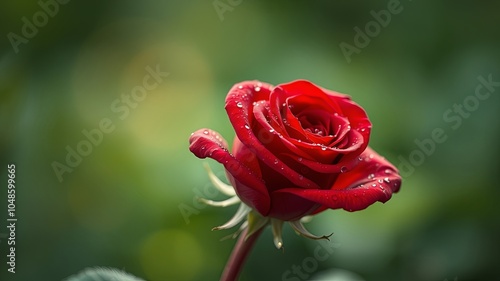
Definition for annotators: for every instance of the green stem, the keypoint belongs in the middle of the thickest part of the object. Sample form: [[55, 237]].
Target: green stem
[[239, 255]]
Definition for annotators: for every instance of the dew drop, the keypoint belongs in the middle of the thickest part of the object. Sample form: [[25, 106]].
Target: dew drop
[[323, 147], [205, 132], [275, 161], [387, 171], [380, 181], [343, 169], [257, 88], [203, 147], [371, 156], [363, 129], [271, 131], [240, 87], [247, 127], [299, 159], [371, 176], [374, 185], [239, 104], [387, 180]]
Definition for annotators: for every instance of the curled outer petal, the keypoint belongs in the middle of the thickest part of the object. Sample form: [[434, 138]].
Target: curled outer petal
[[207, 143]]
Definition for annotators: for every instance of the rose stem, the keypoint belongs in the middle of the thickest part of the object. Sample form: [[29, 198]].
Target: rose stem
[[239, 255]]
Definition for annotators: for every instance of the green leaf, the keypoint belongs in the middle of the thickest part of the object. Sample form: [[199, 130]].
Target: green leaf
[[102, 274]]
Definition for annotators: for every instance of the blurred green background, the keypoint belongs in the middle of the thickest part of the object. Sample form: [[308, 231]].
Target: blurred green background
[[121, 206]]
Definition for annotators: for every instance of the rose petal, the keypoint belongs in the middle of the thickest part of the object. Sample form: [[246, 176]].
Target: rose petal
[[239, 103], [289, 207], [373, 179], [251, 189], [303, 89]]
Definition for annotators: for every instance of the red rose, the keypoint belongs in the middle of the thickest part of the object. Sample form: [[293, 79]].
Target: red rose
[[299, 149]]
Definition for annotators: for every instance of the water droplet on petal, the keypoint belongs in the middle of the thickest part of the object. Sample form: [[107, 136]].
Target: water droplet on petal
[[371, 176], [374, 185], [239, 104], [271, 130], [343, 169], [257, 88], [387, 180], [323, 147], [240, 87], [205, 132], [275, 161], [387, 171], [371, 156], [380, 181], [299, 159], [247, 127]]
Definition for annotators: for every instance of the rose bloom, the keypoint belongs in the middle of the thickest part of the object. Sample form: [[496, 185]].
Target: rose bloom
[[299, 149]]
